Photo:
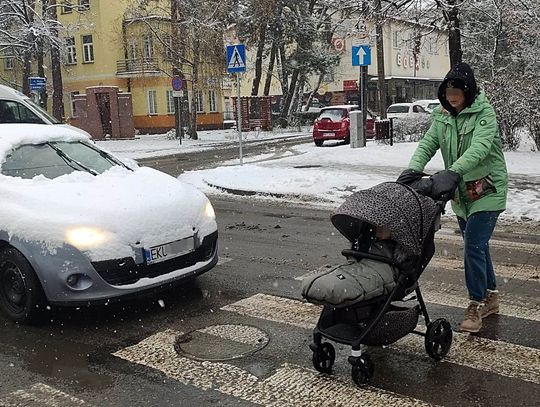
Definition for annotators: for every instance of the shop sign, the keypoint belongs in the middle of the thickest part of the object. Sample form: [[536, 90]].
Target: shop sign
[[350, 85]]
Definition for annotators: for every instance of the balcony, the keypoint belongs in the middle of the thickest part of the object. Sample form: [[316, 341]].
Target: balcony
[[137, 67]]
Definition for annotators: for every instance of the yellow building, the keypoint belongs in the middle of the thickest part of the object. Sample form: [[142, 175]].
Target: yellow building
[[102, 47]]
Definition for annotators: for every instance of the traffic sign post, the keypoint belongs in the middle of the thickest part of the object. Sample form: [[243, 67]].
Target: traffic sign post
[[361, 57], [177, 84], [236, 63]]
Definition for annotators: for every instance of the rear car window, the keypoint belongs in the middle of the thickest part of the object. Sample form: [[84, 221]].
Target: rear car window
[[333, 114], [14, 112], [398, 109]]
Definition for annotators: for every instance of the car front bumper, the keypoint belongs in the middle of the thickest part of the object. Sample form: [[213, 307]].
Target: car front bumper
[[106, 281]]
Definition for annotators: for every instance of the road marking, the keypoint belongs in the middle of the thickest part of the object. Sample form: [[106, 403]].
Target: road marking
[[505, 244], [524, 272], [455, 296], [497, 357], [290, 385], [222, 260], [40, 395]]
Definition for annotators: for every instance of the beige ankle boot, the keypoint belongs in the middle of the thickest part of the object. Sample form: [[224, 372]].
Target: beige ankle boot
[[491, 303], [473, 318]]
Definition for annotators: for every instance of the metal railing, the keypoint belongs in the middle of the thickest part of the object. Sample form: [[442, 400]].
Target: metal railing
[[137, 66]]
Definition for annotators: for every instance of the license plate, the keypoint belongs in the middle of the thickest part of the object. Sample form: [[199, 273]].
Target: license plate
[[329, 134], [167, 251]]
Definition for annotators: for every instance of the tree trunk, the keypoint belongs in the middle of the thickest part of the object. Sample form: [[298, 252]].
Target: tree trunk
[[289, 96], [27, 61], [270, 72], [258, 62], [41, 74], [56, 68], [312, 93], [454, 34], [195, 78]]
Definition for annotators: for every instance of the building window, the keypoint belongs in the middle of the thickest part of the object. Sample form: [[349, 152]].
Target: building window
[[212, 99], [152, 102], [8, 63], [67, 7], [199, 101], [132, 49], [88, 48], [84, 4], [71, 51], [72, 100], [167, 44], [148, 47], [395, 40], [170, 102]]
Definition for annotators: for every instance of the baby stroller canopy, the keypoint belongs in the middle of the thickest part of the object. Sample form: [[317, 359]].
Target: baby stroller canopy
[[394, 206]]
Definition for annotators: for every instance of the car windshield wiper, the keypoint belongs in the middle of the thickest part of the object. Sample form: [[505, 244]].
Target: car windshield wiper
[[107, 156], [70, 161]]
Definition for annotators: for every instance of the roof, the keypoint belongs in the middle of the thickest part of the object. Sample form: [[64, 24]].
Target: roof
[[340, 107], [7, 92]]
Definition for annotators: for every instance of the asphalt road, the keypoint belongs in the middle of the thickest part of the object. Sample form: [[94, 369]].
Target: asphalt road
[[239, 334]]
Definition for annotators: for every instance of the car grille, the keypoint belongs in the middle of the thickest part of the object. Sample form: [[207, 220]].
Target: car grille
[[125, 271]]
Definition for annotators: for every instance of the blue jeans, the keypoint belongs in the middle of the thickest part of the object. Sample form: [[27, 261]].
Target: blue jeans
[[479, 273]]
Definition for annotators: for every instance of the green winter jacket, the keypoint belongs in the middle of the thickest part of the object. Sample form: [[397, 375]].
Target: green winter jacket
[[471, 146]]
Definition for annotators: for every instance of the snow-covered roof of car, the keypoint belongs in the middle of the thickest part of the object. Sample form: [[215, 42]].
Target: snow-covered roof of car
[[340, 107], [14, 135], [7, 92], [403, 104]]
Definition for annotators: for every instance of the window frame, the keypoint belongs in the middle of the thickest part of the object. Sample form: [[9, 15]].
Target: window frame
[[67, 7], [88, 48], [9, 63], [148, 47], [71, 51], [212, 100], [199, 101], [84, 5], [151, 102], [170, 101]]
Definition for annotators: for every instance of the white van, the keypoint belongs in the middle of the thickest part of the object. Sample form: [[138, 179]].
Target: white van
[[15, 107]]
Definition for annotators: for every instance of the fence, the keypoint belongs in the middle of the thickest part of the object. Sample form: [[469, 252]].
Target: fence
[[384, 130]]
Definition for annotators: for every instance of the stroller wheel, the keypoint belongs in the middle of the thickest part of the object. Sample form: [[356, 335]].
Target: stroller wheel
[[362, 370], [438, 338], [324, 358]]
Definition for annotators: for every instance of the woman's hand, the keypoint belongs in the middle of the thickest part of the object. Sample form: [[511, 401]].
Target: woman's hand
[[445, 184]]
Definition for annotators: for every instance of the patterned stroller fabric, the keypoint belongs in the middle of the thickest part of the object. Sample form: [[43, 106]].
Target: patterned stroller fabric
[[408, 215]]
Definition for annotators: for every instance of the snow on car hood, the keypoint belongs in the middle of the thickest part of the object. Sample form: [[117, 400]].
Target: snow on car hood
[[145, 206]]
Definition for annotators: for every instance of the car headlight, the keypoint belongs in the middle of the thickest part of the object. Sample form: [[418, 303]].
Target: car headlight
[[209, 211], [85, 237]]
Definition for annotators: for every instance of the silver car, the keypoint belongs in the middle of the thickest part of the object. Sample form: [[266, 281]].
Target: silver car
[[80, 226]]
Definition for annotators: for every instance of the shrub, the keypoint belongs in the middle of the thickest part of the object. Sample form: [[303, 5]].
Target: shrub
[[411, 128]]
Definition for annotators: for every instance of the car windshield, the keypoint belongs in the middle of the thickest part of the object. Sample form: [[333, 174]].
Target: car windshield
[[55, 159], [398, 109], [333, 114]]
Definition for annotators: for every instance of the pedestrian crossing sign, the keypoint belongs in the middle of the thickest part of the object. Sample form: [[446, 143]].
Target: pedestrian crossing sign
[[236, 58]]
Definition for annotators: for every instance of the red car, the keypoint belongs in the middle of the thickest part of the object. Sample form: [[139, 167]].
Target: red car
[[333, 124]]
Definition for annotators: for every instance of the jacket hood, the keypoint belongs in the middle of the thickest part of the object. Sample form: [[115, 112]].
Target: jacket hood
[[460, 76]]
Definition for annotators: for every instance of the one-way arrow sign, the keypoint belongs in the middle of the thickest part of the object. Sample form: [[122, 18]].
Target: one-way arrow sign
[[361, 55]]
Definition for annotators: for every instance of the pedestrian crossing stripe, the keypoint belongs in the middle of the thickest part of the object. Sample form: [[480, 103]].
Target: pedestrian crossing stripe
[[280, 389], [40, 395], [498, 357]]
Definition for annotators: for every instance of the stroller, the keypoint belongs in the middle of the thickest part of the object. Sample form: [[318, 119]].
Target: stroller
[[359, 298]]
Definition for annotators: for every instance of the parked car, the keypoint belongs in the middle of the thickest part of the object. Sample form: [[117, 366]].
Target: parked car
[[402, 110], [333, 123], [433, 104], [15, 107], [78, 225]]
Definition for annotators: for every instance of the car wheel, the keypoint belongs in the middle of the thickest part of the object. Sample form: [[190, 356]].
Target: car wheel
[[319, 143], [21, 295]]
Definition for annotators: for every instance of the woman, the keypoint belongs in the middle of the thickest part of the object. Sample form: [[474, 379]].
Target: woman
[[465, 128]]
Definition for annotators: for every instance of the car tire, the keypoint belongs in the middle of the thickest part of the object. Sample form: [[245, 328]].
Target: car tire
[[319, 143], [21, 294]]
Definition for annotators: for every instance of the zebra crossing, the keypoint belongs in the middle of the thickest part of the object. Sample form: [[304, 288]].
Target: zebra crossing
[[293, 384], [40, 395]]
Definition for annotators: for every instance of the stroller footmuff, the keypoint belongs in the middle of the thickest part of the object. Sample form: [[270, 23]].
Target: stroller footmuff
[[362, 299]]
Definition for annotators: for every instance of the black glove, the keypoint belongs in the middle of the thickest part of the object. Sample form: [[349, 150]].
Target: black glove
[[444, 184], [409, 176]]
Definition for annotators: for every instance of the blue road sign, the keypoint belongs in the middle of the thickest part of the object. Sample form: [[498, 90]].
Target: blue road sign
[[236, 58], [37, 83], [177, 83], [361, 55]]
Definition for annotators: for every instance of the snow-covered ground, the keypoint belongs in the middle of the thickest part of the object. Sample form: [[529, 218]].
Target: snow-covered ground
[[325, 176]]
